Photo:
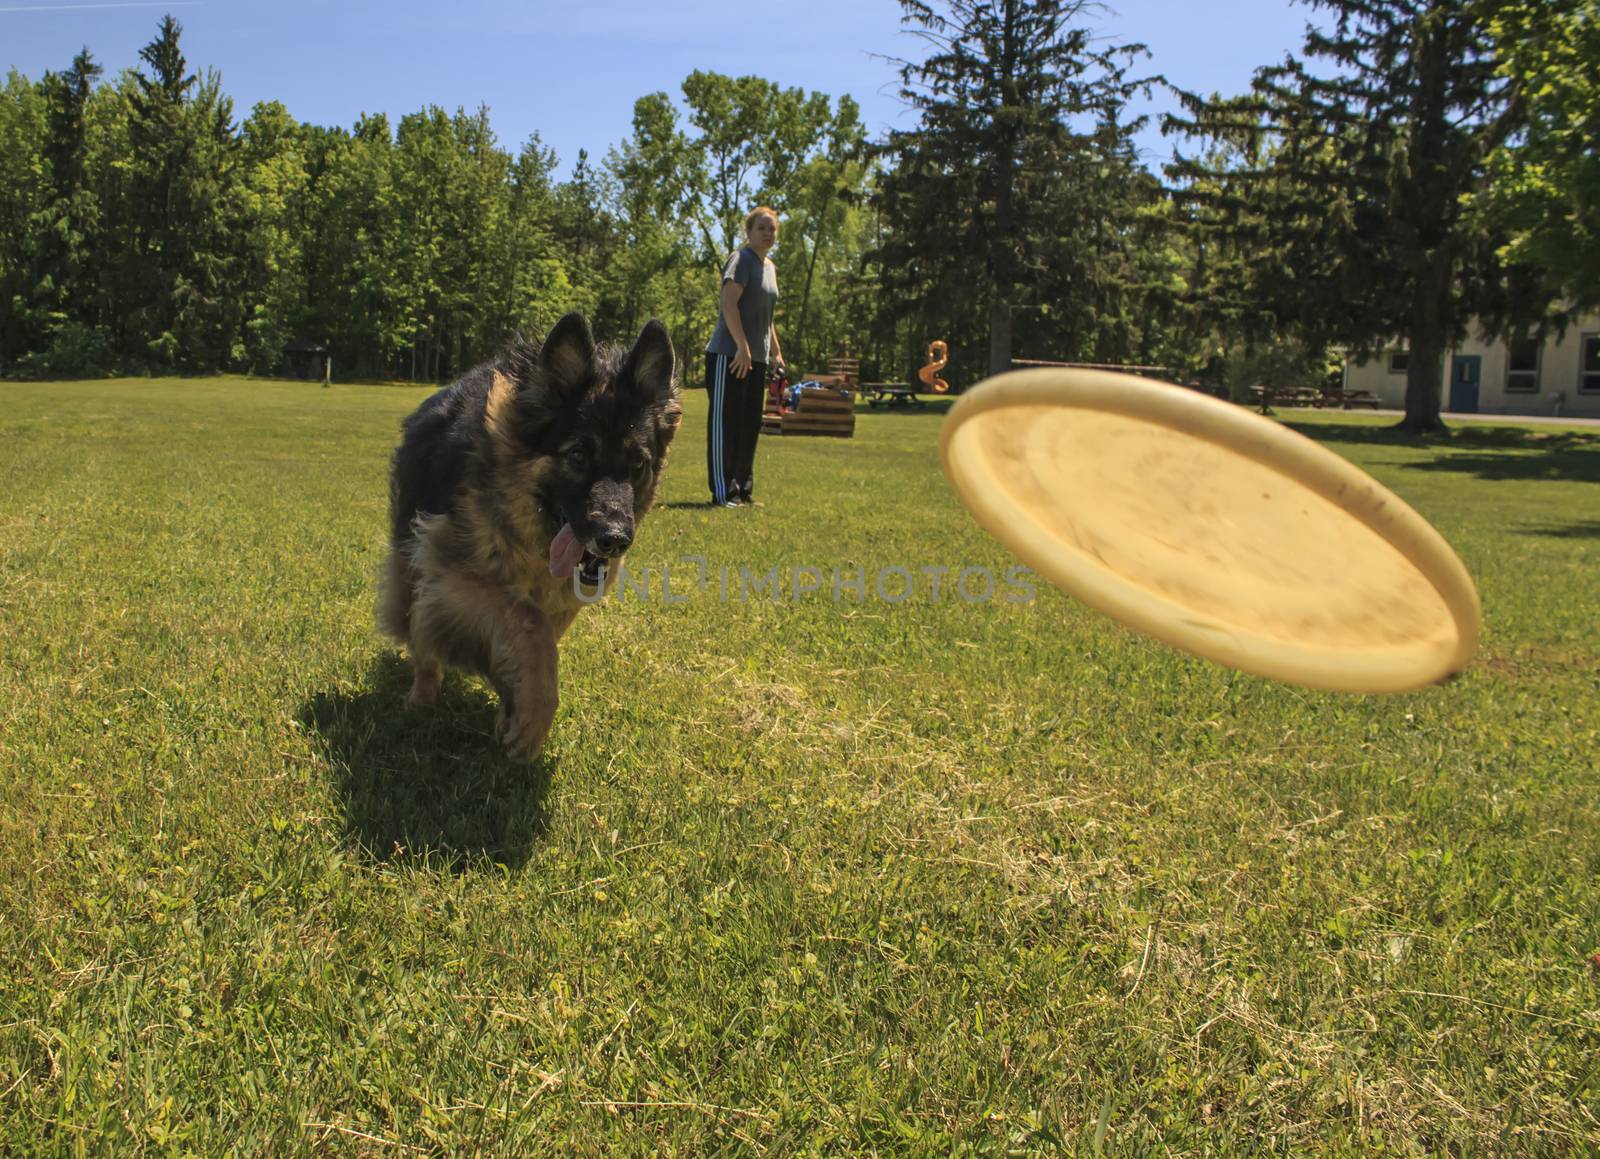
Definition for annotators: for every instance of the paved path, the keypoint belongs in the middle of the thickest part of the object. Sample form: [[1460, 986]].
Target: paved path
[[1453, 417]]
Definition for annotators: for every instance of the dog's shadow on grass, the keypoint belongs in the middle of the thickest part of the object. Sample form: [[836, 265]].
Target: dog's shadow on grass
[[430, 783]]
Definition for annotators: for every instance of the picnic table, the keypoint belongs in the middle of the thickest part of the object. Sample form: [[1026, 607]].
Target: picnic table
[[1267, 397], [1270, 396], [1349, 399], [891, 394]]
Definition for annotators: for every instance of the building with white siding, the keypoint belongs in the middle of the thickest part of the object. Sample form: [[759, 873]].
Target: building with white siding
[[1558, 376]]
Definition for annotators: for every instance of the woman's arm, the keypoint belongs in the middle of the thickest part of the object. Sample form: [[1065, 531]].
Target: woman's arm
[[731, 293]]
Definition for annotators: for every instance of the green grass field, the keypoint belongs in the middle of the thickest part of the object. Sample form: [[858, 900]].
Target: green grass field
[[794, 876]]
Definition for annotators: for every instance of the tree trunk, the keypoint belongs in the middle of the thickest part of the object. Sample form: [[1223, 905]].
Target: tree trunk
[[1003, 266], [1424, 376], [805, 301], [1000, 331], [1432, 253], [1429, 339], [1003, 263]]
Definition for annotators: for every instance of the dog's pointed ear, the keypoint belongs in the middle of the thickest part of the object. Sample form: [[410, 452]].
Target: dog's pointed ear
[[567, 356], [650, 364]]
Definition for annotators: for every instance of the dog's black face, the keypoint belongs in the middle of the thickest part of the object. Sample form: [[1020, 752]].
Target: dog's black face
[[601, 423]]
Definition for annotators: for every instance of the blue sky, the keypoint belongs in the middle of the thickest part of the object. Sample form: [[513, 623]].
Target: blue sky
[[572, 70]]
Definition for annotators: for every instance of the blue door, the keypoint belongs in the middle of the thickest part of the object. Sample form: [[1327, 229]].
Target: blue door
[[1465, 370]]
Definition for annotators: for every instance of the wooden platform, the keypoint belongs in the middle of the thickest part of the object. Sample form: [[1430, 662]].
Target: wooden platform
[[827, 412]]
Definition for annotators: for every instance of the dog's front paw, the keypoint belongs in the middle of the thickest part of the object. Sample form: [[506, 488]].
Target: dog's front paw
[[425, 685], [525, 719], [521, 735]]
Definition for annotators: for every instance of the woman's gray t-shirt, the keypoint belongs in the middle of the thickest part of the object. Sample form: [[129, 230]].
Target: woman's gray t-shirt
[[759, 277]]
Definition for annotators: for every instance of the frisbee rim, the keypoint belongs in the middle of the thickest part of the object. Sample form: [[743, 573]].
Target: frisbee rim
[[1288, 453]]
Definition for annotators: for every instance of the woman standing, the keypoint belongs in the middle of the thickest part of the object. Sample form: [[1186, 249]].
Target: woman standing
[[743, 345]]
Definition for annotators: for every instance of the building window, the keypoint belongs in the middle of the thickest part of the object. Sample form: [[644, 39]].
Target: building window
[[1589, 379], [1522, 370], [1399, 361]]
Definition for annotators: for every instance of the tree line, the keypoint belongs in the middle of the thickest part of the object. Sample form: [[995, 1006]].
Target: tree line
[[1420, 164]]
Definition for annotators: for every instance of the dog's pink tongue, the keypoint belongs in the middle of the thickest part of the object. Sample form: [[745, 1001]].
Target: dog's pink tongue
[[565, 552]]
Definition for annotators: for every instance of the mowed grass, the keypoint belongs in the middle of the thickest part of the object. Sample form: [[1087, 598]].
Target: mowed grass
[[795, 875]]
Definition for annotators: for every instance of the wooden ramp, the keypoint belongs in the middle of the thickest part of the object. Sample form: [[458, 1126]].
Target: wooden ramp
[[829, 411]]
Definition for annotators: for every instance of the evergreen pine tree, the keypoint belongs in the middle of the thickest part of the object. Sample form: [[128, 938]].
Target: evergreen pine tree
[[1008, 98], [1359, 186]]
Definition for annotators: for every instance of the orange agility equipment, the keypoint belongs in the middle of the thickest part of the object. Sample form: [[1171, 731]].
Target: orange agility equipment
[[929, 374]]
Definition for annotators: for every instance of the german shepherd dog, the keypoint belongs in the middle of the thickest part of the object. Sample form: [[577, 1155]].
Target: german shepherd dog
[[526, 477]]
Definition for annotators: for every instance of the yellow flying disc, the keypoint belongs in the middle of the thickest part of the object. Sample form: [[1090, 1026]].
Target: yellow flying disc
[[1212, 529]]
